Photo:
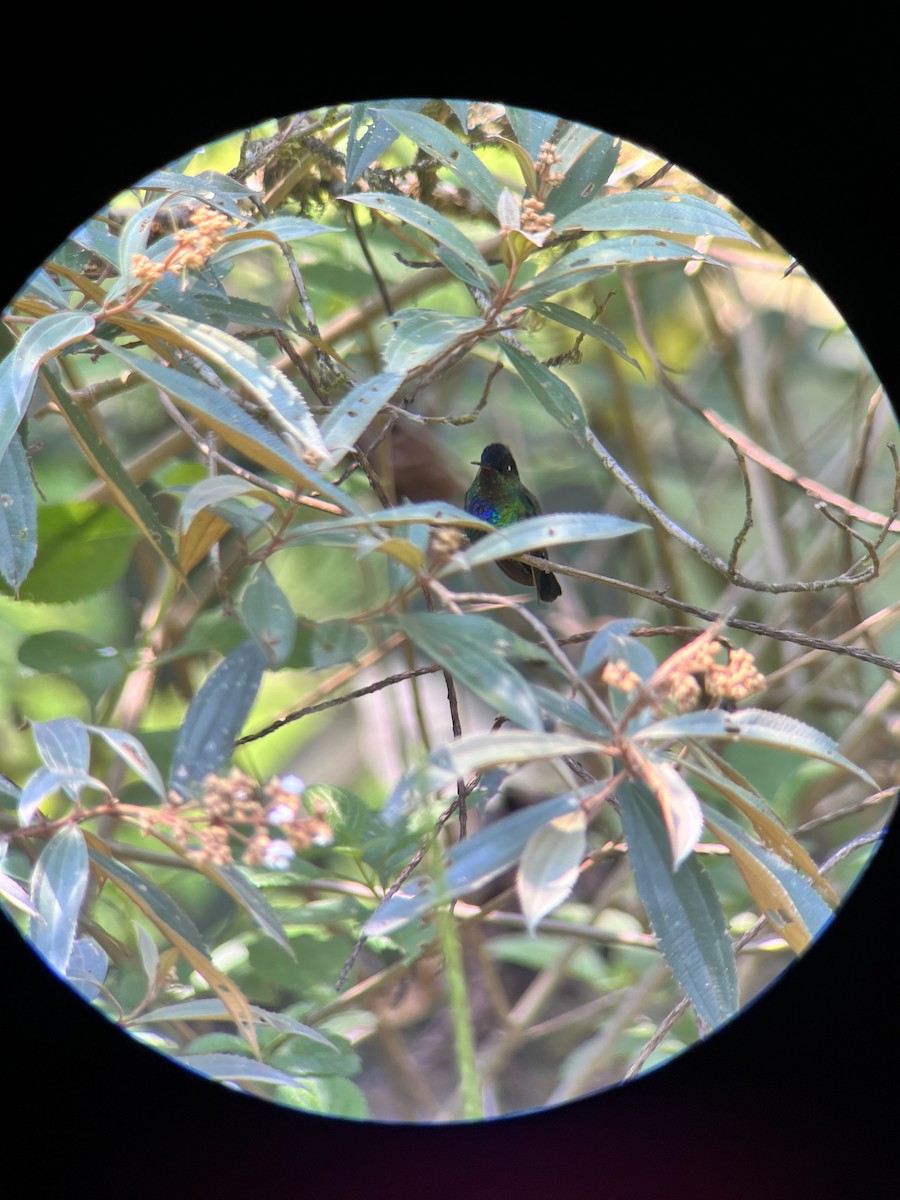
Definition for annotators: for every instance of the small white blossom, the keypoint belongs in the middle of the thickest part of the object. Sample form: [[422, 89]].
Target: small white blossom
[[278, 855]]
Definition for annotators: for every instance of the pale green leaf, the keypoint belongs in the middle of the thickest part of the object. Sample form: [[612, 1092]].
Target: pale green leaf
[[448, 149], [550, 864], [669, 212], [421, 334], [18, 516], [438, 227]]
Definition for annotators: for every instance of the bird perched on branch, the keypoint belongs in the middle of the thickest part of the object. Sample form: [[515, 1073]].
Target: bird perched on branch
[[498, 496]]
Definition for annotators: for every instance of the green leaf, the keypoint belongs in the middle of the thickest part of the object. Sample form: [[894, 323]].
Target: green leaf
[[378, 137], [670, 212], [268, 616], [45, 781], [152, 900], [589, 262], [18, 371], [218, 191], [531, 128], [476, 651], [475, 752], [88, 965], [470, 864], [432, 512], [58, 886], [63, 744], [588, 159], [447, 148], [613, 642], [421, 334], [18, 516], [215, 718], [349, 419], [133, 754], [90, 666], [575, 320], [233, 1067], [438, 227], [560, 708], [336, 642], [272, 390], [233, 424], [231, 879], [550, 865], [552, 392], [759, 726], [133, 240], [82, 549], [209, 1009], [554, 529], [275, 231], [107, 464], [683, 908]]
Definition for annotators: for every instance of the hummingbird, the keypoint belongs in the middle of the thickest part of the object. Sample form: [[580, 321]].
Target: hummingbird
[[498, 496]]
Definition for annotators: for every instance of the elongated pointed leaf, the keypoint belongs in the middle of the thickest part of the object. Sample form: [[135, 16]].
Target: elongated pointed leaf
[[376, 138], [133, 240], [598, 259], [613, 642], [475, 752], [588, 159], [759, 726], [550, 865], [214, 1010], [46, 781], [125, 491], [786, 898], [669, 212], [268, 616], [133, 754], [678, 804], [231, 879], [215, 409], [218, 191], [82, 549], [560, 708], [476, 651], [447, 148], [175, 925], [273, 232], [18, 371], [554, 529], [235, 1067], [421, 334], [768, 825], [63, 744], [272, 390], [683, 908], [531, 128], [88, 965], [215, 718], [432, 512], [576, 320], [58, 886], [18, 516], [348, 420], [471, 864], [552, 392], [443, 231]]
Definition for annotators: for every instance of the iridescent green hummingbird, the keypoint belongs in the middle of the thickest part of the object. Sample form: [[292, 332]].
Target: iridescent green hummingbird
[[498, 496]]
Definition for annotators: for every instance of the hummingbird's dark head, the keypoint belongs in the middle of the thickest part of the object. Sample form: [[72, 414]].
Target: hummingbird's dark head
[[497, 457]]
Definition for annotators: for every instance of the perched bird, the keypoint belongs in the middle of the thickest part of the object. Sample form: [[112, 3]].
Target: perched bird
[[498, 496]]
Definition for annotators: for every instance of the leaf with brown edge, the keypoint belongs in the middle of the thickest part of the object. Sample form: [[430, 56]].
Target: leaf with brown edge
[[177, 927]]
